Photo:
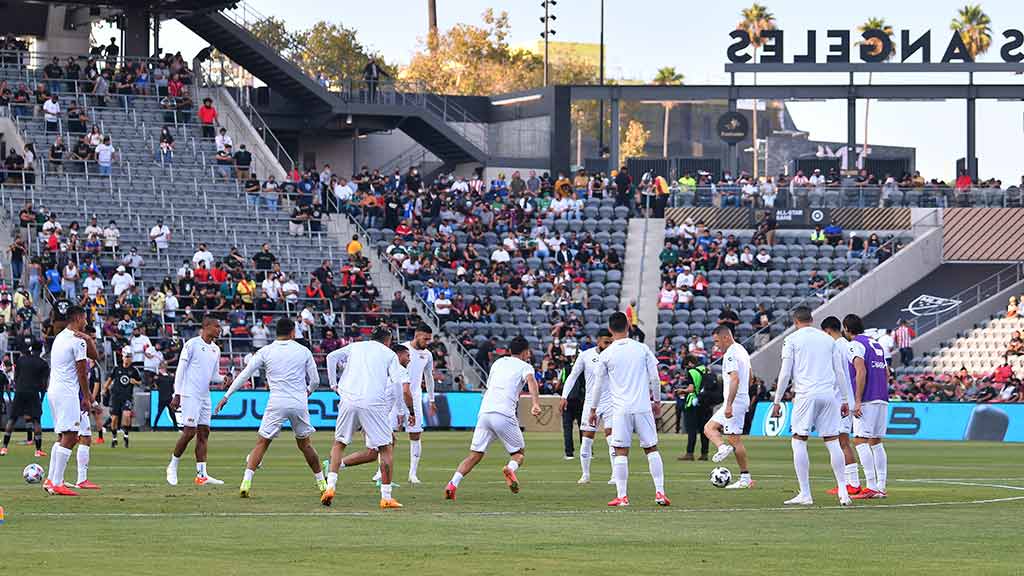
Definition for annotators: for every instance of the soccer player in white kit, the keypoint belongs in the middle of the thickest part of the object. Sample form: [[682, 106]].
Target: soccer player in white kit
[[421, 374], [630, 370], [198, 366], [834, 328], [291, 376], [731, 415], [70, 399], [815, 366], [400, 414], [369, 369], [498, 417], [586, 365]]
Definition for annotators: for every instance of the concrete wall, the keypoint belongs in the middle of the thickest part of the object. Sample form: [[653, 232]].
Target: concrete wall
[[64, 41], [264, 161], [947, 330], [523, 138], [374, 150], [491, 172], [883, 283]]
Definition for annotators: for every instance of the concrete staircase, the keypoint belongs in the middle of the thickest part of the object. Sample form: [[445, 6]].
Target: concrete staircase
[[641, 277]]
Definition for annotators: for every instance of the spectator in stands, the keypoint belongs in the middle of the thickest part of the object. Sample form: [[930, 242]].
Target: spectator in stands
[[133, 262], [904, 336], [1016, 345], [857, 246], [223, 140], [833, 233], [225, 163], [56, 156], [243, 163], [121, 281], [166, 145], [1003, 373], [289, 291], [269, 193], [52, 114], [202, 254], [105, 157], [667, 297], [208, 118], [873, 244], [762, 324], [159, 236], [727, 317], [818, 235], [111, 237], [1011, 308]]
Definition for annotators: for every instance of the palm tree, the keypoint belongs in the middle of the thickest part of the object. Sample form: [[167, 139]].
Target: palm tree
[[973, 25], [756, 19], [432, 24], [876, 48], [665, 77]]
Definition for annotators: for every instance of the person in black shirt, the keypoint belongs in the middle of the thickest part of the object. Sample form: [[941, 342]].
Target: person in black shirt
[[263, 261], [252, 188], [165, 385], [485, 354], [316, 215], [121, 385], [57, 152], [728, 318], [31, 374], [243, 160]]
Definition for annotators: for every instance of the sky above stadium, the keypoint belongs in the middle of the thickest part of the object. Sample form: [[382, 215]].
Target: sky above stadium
[[644, 35]]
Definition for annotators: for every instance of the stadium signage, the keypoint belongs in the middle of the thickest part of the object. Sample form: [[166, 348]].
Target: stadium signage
[[926, 305], [732, 127], [874, 46]]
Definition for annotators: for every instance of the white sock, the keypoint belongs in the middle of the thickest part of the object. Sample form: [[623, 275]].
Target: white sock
[[620, 471], [867, 462], [512, 465], [456, 478], [802, 464], [881, 465], [318, 476], [174, 461], [586, 455], [53, 462], [201, 469], [385, 491], [745, 476], [63, 455], [852, 475], [377, 476], [657, 469], [414, 456], [248, 475], [835, 456], [332, 479], [611, 453], [341, 465], [83, 463]]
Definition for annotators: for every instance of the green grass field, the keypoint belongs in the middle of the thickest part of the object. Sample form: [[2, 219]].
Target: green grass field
[[950, 504]]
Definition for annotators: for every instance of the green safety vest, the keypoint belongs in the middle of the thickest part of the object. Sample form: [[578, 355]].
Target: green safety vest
[[696, 376]]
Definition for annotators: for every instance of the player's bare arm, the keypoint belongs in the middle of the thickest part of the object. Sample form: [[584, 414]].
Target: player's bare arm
[[534, 387], [82, 369]]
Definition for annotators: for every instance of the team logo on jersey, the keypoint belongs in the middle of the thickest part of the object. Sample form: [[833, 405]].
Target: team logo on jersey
[[774, 426], [925, 305]]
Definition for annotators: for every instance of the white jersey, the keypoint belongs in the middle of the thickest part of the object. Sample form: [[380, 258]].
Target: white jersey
[[368, 368], [289, 369], [198, 366], [737, 360], [630, 371], [842, 346], [138, 345], [398, 381], [65, 354], [504, 384], [587, 364], [421, 370], [814, 363]]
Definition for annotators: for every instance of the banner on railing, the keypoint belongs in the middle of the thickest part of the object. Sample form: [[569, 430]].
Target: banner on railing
[[922, 421], [246, 407]]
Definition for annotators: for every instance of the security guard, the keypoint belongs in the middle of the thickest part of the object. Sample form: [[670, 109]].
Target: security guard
[[702, 393]]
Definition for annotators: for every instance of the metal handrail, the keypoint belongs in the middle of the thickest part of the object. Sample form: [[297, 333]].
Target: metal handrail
[[971, 297]]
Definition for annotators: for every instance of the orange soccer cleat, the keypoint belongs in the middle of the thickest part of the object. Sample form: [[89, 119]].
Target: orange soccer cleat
[[58, 489], [661, 500], [851, 490], [511, 480], [449, 491], [3, 451], [864, 494], [99, 441], [619, 502], [389, 504], [87, 485], [40, 454], [327, 497]]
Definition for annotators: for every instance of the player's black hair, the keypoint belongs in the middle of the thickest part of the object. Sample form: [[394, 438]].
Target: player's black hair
[[691, 360], [722, 329], [854, 325], [618, 322], [517, 345], [36, 348], [285, 326], [381, 334], [75, 312], [400, 348], [423, 327], [604, 333], [831, 323], [802, 314]]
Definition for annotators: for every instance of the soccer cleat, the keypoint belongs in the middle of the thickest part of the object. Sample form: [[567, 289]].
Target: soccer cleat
[[48, 486], [511, 480], [24, 442], [739, 484], [723, 452], [244, 488], [880, 494], [113, 443], [327, 497], [865, 494], [100, 441], [611, 481], [851, 490], [847, 502], [799, 500], [172, 475], [40, 454], [568, 457], [321, 485], [3, 451], [389, 504], [203, 480], [583, 480], [126, 441], [661, 500], [376, 477], [619, 502], [449, 491], [414, 480], [62, 490], [87, 485]]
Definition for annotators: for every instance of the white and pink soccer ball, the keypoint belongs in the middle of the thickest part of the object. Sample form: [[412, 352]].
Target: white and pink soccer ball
[[33, 473]]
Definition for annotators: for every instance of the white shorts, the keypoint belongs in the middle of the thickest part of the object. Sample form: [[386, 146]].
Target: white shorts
[[67, 414], [393, 419], [819, 413], [417, 408], [195, 411], [276, 413], [604, 419], [624, 424], [731, 426], [845, 422], [374, 422], [85, 426], [873, 420], [493, 425]]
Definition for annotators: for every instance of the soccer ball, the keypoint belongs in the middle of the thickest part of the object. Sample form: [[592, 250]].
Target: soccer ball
[[720, 477], [33, 473]]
